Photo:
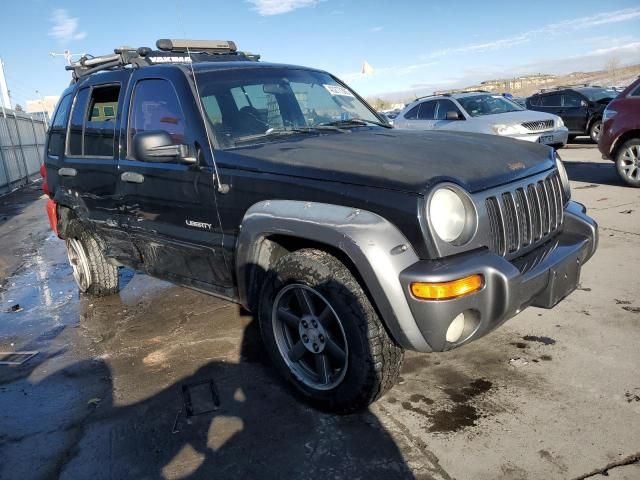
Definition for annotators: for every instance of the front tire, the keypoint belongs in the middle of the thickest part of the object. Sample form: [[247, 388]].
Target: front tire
[[595, 130], [91, 270], [628, 162], [323, 334]]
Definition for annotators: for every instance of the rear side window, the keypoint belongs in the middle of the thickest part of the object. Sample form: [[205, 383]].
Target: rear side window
[[636, 92], [58, 127], [74, 139], [552, 100], [156, 107], [427, 111], [99, 130]]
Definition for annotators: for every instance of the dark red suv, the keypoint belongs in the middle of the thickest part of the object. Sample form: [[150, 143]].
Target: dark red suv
[[620, 138]]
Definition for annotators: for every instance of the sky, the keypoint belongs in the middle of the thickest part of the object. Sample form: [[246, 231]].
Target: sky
[[411, 44]]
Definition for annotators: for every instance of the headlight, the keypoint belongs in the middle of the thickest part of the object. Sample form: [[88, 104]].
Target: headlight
[[506, 129], [608, 113], [564, 178], [452, 215], [559, 122]]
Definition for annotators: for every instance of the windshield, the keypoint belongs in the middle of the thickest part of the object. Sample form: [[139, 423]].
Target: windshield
[[479, 105], [597, 94], [250, 106]]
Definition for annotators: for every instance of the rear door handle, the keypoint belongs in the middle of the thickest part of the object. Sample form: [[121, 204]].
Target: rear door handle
[[67, 172], [132, 177]]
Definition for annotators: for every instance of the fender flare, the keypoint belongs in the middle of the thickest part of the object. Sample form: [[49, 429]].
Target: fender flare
[[377, 249]]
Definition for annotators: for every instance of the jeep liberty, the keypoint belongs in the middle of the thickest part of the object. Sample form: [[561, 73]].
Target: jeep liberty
[[279, 188]]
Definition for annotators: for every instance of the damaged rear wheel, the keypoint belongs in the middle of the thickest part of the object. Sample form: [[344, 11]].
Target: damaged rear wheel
[[91, 270]]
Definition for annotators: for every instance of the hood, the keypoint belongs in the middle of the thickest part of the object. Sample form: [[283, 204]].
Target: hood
[[396, 159], [511, 118]]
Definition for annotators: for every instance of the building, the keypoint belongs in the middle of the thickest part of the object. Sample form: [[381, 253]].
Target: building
[[44, 105]]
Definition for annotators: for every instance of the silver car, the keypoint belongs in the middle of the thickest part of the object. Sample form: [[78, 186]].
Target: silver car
[[483, 112]]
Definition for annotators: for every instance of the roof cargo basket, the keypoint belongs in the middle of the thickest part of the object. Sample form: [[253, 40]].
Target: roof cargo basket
[[177, 51]]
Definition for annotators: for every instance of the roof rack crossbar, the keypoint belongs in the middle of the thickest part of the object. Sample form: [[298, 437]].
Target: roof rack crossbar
[[169, 51]]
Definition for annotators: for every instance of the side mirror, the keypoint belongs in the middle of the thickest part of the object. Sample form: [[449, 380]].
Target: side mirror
[[584, 103], [156, 146], [453, 116]]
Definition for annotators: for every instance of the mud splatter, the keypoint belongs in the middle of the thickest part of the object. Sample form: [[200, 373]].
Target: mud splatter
[[622, 302], [632, 309], [417, 398], [546, 358], [543, 340], [519, 344]]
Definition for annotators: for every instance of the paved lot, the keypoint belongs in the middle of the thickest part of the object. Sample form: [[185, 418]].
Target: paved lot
[[551, 394]]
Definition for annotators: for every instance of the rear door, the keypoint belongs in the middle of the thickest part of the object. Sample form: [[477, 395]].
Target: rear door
[[87, 174], [171, 207]]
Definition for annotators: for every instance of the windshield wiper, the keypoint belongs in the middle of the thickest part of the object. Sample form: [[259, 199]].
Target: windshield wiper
[[282, 132], [355, 122]]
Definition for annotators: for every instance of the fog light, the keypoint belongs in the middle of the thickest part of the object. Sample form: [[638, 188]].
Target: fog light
[[456, 327], [447, 290]]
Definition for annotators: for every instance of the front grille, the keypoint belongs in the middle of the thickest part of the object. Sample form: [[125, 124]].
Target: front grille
[[525, 215], [539, 125]]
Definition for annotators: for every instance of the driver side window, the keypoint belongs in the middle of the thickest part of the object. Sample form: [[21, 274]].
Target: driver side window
[[155, 106]]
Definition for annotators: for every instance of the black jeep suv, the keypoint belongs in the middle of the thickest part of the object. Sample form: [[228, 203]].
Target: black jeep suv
[[579, 107], [279, 188]]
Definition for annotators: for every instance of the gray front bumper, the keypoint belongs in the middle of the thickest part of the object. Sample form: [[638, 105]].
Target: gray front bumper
[[540, 278]]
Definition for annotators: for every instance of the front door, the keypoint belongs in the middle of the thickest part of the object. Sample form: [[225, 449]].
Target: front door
[[171, 206], [574, 112]]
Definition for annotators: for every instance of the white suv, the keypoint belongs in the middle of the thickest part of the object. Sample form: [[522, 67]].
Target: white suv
[[483, 112]]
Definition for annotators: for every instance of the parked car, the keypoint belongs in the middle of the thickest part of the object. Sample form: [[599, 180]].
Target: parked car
[[279, 188], [580, 108], [620, 139], [482, 112]]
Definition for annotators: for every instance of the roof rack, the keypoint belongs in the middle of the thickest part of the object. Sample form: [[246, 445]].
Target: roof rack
[[169, 51]]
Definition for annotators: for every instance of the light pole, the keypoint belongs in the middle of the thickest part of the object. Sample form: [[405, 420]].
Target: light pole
[[44, 110]]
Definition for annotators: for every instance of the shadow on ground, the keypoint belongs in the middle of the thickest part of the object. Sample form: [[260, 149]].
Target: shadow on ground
[[105, 396]]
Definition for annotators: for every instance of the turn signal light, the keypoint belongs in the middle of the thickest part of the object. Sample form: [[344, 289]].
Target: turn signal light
[[447, 290]]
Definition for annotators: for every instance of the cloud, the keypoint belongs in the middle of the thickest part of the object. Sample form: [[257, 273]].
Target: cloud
[[376, 29], [65, 28], [553, 29], [277, 7]]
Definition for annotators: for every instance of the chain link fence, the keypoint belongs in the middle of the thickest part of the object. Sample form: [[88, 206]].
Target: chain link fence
[[22, 139]]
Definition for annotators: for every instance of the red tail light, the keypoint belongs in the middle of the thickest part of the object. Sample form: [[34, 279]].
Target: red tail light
[[43, 174]]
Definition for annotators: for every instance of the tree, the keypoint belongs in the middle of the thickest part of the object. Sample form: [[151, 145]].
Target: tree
[[19, 108], [613, 69]]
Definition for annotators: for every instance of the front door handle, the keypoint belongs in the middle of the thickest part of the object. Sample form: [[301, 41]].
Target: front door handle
[[67, 172], [132, 177]]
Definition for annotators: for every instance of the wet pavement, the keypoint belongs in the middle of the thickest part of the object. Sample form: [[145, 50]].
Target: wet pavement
[[164, 382]]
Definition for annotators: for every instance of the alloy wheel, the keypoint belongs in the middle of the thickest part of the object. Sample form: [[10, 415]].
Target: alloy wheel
[[629, 163], [596, 130], [310, 337], [79, 263]]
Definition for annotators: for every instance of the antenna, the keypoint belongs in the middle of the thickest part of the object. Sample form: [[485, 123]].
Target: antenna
[[67, 55], [222, 188]]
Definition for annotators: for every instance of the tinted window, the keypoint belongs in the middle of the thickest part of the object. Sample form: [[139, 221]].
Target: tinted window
[[571, 100], [535, 101], [413, 113], [99, 130], [59, 126], [552, 100], [636, 92], [74, 143], [156, 107], [445, 106], [427, 111]]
